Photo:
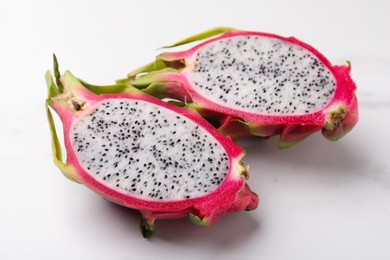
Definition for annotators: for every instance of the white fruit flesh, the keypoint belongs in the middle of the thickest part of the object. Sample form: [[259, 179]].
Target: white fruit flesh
[[148, 151], [262, 75]]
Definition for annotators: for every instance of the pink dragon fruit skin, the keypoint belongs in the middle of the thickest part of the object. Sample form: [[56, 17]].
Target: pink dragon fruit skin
[[77, 106], [173, 75]]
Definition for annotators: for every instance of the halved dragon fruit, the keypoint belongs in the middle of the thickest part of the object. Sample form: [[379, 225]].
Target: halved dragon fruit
[[145, 154], [256, 84]]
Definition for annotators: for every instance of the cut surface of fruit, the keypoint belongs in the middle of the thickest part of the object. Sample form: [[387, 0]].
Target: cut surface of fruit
[[148, 151], [262, 75], [269, 84]]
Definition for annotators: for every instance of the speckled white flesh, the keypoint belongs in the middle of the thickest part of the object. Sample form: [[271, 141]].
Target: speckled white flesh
[[148, 151], [262, 75]]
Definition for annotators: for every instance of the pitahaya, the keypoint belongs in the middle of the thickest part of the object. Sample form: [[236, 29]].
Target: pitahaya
[[146, 154], [256, 84]]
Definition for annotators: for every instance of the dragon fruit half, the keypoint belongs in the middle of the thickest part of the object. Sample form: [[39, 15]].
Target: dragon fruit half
[[256, 84], [146, 154]]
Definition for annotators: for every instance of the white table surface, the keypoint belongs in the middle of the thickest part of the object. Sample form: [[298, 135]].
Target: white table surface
[[319, 199]]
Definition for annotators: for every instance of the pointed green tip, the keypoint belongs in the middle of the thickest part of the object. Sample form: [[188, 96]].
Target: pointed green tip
[[197, 220], [349, 64], [201, 36], [57, 74], [55, 61], [335, 137], [286, 145], [147, 230], [52, 89], [124, 81]]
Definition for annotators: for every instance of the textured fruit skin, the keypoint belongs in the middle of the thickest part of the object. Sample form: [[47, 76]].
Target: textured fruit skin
[[176, 83], [76, 101]]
